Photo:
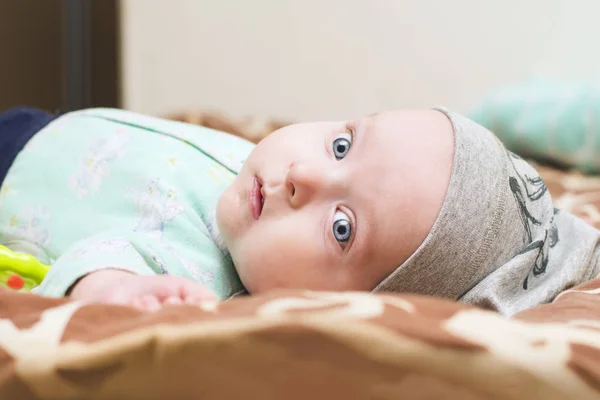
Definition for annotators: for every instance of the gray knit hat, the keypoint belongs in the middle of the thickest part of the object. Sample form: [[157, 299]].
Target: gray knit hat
[[498, 241]]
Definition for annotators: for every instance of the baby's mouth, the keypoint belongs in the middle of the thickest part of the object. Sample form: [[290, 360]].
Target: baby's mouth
[[256, 198]]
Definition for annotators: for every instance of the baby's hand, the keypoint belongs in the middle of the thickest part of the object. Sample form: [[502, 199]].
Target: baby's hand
[[143, 292]]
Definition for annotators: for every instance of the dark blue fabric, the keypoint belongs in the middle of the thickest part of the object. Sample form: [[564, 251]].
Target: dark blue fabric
[[17, 126]]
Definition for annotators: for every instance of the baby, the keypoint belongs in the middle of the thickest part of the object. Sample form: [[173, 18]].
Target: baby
[[136, 210]]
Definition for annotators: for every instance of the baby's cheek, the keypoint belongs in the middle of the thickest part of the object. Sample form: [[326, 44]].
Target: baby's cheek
[[256, 267], [251, 262], [265, 263], [283, 251]]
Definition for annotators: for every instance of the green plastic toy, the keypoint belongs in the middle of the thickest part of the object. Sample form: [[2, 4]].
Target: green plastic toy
[[20, 271]]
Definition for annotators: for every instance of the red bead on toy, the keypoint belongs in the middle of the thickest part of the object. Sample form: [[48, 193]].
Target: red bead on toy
[[15, 282]]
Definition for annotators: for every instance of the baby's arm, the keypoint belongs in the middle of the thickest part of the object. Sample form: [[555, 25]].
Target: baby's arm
[[119, 267], [144, 292]]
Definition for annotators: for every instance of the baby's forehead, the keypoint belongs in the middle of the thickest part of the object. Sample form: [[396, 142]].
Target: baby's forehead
[[409, 128], [401, 175], [397, 116], [406, 115], [315, 127]]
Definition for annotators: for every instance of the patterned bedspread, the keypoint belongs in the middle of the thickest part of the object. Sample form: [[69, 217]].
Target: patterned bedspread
[[299, 345]]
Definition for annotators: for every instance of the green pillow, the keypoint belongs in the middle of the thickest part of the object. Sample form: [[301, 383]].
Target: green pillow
[[547, 121]]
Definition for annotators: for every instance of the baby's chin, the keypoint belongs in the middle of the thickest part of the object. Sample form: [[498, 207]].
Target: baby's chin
[[225, 215], [241, 270], [228, 215]]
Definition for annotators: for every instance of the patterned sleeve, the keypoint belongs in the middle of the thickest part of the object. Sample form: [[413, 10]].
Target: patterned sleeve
[[128, 251]]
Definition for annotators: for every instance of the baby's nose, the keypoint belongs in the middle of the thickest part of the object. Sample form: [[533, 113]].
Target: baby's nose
[[306, 180]]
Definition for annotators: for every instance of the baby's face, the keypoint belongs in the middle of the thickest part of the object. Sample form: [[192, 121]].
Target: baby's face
[[337, 205]]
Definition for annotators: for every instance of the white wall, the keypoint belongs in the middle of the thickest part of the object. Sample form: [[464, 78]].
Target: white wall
[[321, 59]]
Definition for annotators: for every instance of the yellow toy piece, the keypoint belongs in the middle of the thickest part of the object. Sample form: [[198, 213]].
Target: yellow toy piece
[[20, 271]]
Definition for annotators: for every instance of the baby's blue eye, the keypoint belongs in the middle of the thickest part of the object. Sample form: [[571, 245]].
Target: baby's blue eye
[[341, 145], [342, 229]]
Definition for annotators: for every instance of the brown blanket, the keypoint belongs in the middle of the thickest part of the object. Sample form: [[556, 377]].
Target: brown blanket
[[299, 345]]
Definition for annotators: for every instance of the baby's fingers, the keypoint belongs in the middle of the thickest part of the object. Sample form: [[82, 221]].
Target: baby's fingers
[[173, 300], [146, 303], [194, 293]]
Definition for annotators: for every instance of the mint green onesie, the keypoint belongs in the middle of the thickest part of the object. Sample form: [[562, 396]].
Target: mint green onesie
[[108, 188]]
